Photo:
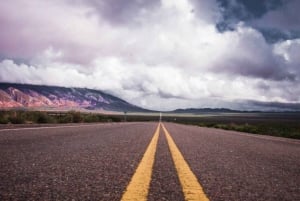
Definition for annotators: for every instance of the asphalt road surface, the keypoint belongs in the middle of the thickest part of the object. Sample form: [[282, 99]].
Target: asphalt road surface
[[98, 161]]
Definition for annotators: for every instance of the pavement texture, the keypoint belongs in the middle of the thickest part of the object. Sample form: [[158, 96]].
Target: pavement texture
[[97, 161], [237, 166], [72, 163]]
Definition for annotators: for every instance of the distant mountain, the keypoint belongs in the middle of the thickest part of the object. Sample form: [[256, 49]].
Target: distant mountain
[[51, 97], [205, 110]]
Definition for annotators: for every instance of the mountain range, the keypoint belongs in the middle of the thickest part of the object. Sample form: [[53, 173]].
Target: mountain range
[[60, 98], [41, 97], [205, 110]]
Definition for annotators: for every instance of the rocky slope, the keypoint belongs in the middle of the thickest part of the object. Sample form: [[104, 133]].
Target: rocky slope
[[50, 97]]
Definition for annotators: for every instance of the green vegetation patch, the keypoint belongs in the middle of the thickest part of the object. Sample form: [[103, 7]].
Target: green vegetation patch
[[275, 124], [42, 117]]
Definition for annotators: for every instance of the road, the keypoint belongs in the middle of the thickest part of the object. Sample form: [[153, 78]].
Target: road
[[146, 161]]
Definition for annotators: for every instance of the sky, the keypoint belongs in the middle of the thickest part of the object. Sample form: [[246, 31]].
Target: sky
[[158, 54]]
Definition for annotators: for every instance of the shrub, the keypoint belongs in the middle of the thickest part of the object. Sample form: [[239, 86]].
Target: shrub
[[91, 118], [16, 119], [76, 117], [43, 117], [3, 119], [67, 118]]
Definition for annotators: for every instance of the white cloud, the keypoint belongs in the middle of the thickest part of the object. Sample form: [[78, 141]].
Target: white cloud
[[172, 58], [289, 50]]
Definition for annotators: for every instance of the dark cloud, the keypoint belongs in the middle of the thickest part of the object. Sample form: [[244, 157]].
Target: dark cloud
[[266, 69], [281, 23], [244, 10], [273, 35], [234, 11], [121, 11], [276, 106], [168, 95], [263, 86], [286, 17], [276, 19]]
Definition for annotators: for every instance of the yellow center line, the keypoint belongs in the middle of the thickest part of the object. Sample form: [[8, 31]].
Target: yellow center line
[[190, 186], [138, 187]]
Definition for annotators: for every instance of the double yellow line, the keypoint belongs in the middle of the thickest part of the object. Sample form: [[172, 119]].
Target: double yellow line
[[138, 188]]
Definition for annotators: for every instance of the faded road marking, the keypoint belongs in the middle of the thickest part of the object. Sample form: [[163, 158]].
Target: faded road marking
[[138, 187], [190, 186]]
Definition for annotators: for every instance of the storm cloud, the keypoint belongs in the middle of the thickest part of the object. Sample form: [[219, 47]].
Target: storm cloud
[[156, 54], [286, 17]]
